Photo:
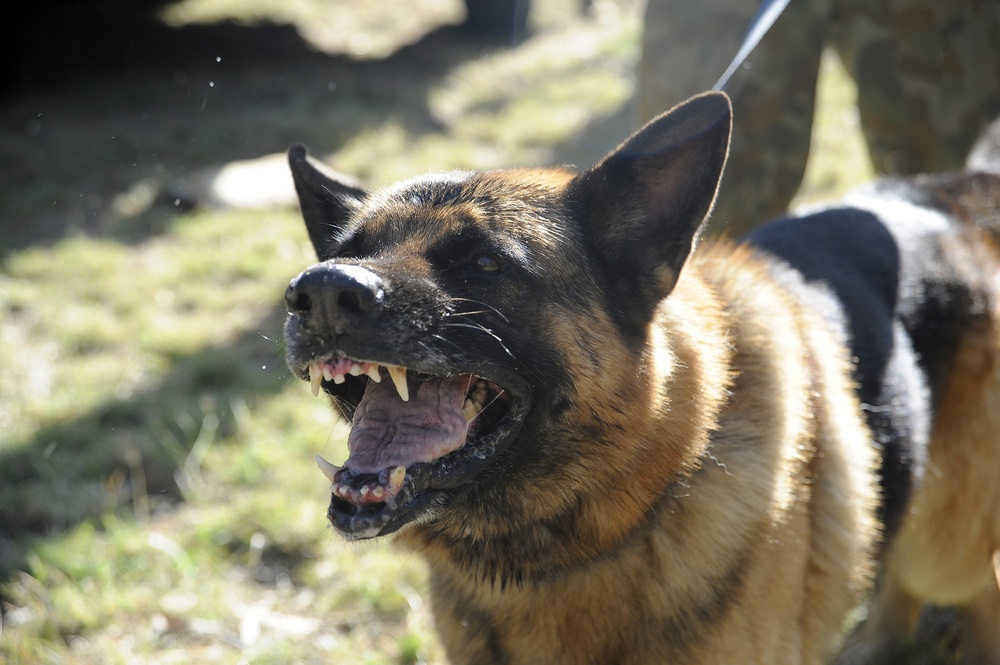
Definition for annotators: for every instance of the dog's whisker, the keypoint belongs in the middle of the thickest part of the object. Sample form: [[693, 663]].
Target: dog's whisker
[[442, 338], [485, 330], [495, 398], [489, 308], [480, 311], [482, 329]]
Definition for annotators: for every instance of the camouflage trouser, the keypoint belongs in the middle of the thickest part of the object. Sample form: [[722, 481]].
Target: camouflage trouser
[[927, 71]]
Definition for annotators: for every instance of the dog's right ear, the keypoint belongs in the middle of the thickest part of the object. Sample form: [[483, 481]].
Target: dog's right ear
[[327, 199], [643, 205]]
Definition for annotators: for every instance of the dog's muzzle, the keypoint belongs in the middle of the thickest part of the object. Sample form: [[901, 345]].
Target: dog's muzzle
[[423, 426]]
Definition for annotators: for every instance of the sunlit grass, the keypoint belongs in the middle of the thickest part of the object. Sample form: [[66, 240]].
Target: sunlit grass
[[339, 26]]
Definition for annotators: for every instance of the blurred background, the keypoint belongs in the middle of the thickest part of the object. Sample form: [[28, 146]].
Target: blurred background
[[158, 497]]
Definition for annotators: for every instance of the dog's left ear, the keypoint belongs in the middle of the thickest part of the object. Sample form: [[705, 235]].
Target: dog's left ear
[[327, 200], [644, 203]]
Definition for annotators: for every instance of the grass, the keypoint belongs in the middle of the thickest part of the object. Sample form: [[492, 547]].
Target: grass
[[158, 499]]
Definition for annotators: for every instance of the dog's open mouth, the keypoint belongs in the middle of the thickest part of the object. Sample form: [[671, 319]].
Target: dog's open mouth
[[413, 436]]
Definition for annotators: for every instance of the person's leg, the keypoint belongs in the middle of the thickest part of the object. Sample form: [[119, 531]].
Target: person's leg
[[687, 46], [928, 75]]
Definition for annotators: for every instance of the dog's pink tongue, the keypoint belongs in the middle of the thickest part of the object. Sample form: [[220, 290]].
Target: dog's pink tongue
[[388, 432]]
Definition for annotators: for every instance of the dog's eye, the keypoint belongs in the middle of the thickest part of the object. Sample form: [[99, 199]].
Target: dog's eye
[[485, 263]]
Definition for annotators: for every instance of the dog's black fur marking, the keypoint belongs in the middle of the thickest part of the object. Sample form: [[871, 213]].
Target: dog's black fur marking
[[851, 253]]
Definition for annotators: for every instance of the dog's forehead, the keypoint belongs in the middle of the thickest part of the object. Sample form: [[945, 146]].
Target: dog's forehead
[[487, 189], [431, 188], [526, 204]]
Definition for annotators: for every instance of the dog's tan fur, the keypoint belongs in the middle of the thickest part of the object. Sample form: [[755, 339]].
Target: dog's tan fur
[[704, 490]]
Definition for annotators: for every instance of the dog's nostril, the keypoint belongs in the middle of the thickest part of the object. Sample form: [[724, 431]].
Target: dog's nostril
[[303, 303], [356, 300], [296, 301]]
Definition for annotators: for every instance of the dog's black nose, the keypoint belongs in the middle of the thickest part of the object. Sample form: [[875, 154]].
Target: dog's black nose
[[330, 293]]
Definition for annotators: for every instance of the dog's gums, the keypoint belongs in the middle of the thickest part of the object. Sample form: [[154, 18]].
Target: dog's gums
[[338, 370]]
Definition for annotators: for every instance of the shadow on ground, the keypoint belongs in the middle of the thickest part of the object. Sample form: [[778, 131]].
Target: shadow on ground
[[106, 105]]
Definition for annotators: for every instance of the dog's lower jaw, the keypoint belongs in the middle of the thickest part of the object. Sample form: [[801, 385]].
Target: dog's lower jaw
[[363, 526]]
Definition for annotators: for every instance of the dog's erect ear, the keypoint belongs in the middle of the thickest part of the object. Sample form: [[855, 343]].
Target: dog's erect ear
[[327, 199], [644, 203]]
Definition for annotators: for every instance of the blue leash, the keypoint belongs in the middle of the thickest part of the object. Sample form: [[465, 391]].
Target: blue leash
[[767, 14]]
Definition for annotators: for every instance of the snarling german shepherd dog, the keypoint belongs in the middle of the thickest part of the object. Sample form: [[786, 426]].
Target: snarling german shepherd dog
[[613, 444]]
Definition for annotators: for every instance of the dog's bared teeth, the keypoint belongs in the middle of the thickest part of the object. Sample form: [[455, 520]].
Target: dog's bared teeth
[[479, 394], [329, 470], [476, 401], [373, 373], [398, 376], [315, 378], [327, 372], [339, 378]]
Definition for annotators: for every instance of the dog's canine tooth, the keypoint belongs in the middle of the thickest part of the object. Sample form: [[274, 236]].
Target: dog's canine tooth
[[471, 410], [373, 373], [398, 375], [315, 378], [328, 469], [396, 477]]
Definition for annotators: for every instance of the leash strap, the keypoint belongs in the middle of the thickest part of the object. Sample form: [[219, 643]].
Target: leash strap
[[767, 14]]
